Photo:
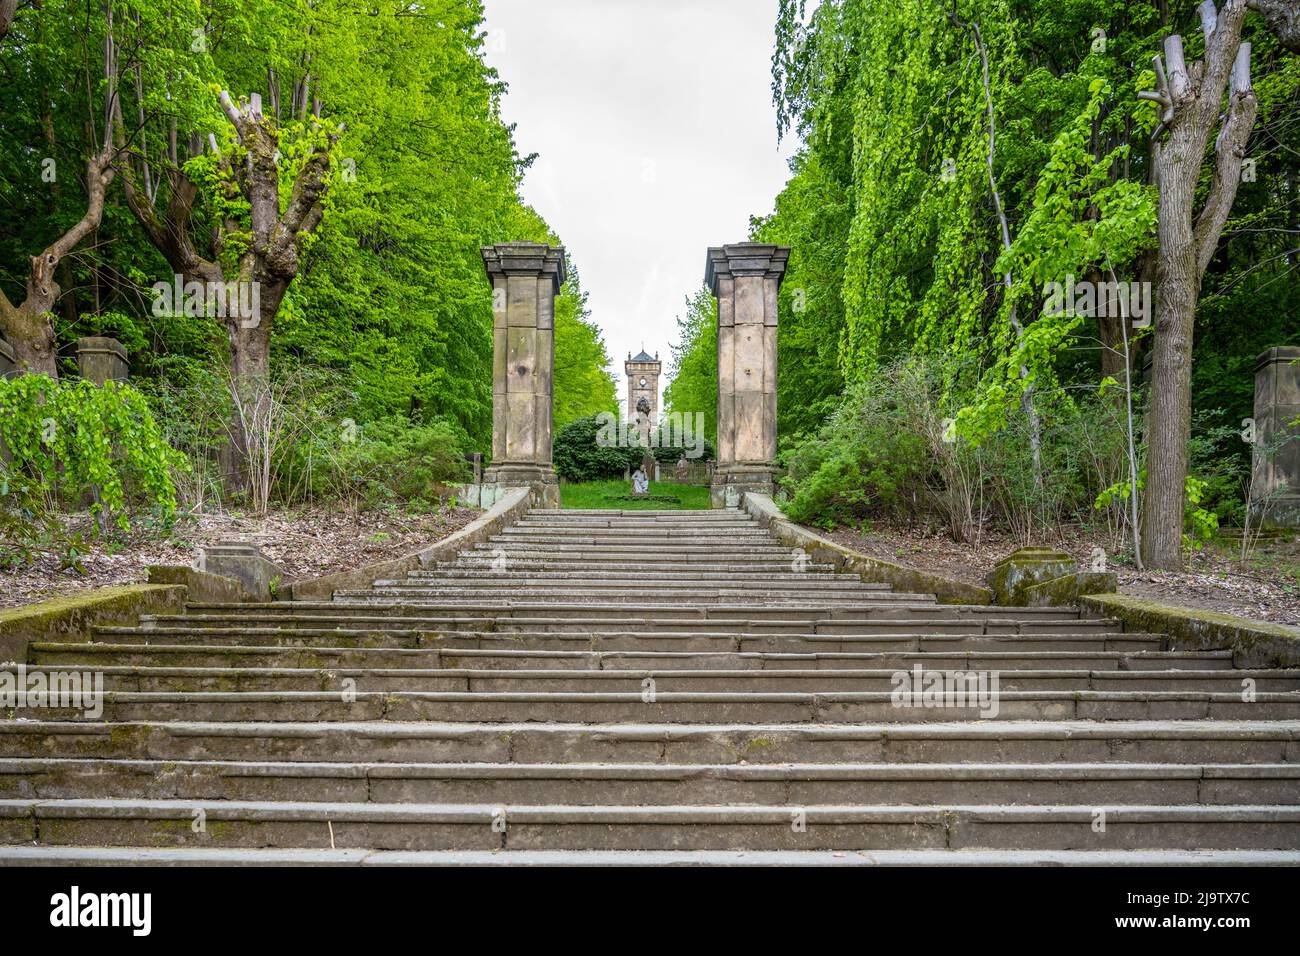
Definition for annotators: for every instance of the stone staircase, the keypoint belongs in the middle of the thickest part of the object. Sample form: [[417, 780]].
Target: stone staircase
[[659, 687]]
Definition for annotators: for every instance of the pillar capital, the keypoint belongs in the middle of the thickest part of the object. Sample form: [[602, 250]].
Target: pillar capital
[[8, 361], [744, 259], [526, 259], [102, 359]]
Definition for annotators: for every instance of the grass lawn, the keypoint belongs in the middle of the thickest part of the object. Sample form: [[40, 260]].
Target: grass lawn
[[616, 495]]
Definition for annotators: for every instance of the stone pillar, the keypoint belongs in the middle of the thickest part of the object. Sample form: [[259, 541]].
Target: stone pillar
[[526, 277], [8, 363], [745, 278], [102, 360], [1275, 480]]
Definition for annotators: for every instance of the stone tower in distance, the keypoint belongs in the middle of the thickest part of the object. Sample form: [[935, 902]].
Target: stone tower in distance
[[643, 391]]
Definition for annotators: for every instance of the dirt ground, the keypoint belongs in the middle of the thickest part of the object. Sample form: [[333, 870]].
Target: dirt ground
[[311, 543], [1266, 587], [306, 544]]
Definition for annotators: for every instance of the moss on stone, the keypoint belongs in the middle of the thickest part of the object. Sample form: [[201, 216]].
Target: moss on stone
[[1254, 643], [872, 570], [71, 618], [1067, 589]]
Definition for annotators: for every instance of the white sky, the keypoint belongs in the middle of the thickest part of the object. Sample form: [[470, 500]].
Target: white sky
[[656, 135]]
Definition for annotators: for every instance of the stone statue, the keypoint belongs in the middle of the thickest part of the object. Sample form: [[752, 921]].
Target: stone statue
[[640, 482]]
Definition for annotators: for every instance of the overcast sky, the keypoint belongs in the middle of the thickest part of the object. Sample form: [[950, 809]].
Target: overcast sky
[[656, 136]]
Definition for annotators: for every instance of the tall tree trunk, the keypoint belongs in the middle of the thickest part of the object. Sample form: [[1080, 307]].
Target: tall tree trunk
[[269, 264], [29, 326], [1190, 99], [1169, 420]]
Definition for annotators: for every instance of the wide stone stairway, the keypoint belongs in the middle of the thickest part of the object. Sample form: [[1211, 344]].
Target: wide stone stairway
[[665, 687]]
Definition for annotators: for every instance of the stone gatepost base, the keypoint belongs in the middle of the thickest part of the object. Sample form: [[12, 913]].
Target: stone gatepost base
[[733, 480], [543, 481]]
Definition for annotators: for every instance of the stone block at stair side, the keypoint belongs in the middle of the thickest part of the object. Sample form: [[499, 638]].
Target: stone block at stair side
[[1067, 589], [244, 561], [1026, 567]]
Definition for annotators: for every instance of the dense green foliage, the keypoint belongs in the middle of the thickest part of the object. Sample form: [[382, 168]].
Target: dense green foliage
[[898, 256], [391, 305], [693, 369]]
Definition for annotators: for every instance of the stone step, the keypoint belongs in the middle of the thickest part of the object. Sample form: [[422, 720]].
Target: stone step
[[928, 611], [797, 588], [16, 856], [592, 784], [604, 639], [581, 624], [239, 823], [872, 619], [599, 517], [772, 570], [613, 513], [1141, 741], [668, 536], [323, 656], [807, 589], [632, 573], [616, 593], [618, 559], [714, 548], [817, 680], [647, 529], [599, 707]]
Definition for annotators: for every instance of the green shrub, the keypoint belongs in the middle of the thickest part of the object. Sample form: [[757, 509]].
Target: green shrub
[[672, 454], [868, 459], [71, 442], [393, 460], [578, 456], [888, 451]]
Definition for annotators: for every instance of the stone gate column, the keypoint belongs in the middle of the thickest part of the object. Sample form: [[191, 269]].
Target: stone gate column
[[526, 277], [1275, 480], [745, 278]]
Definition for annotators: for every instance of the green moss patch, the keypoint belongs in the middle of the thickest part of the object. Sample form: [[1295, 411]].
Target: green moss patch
[[71, 618], [1254, 643]]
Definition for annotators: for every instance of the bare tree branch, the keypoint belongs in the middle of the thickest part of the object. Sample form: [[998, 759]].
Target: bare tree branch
[[1229, 149]]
